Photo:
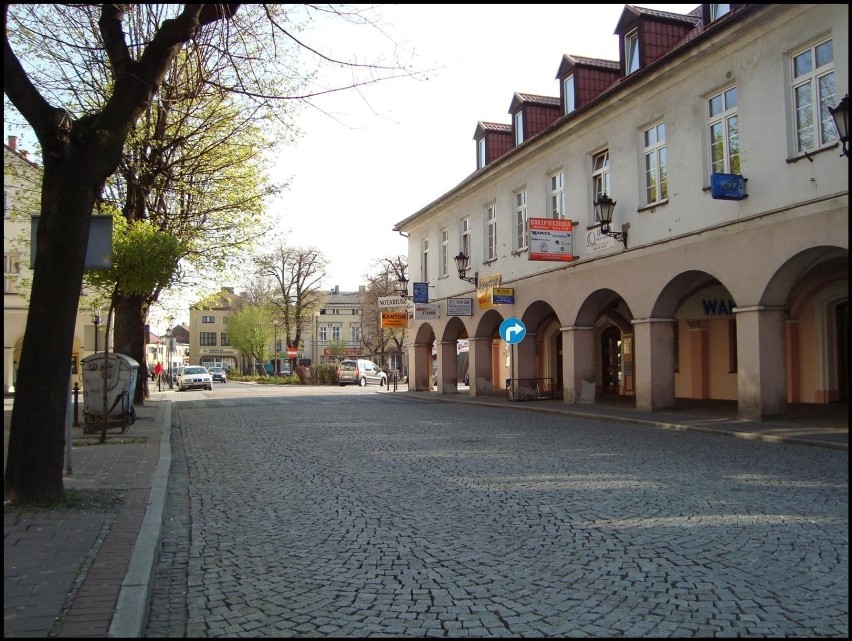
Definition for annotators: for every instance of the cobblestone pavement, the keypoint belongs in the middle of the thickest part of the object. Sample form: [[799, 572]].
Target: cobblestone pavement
[[371, 515]]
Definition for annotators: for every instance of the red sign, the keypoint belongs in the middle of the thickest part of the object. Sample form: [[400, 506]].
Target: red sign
[[292, 352], [551, 239]]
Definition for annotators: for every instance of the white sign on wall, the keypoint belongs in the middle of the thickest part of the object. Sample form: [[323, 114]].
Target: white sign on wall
[[459, 307], [425, 311]]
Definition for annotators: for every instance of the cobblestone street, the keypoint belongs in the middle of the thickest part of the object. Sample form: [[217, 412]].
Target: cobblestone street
[[374, 515]]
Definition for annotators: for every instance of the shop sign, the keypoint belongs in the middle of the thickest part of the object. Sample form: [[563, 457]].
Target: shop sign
[[425, 311], [483, 290], [551, 239], [395, 319], [459, 307], [391, 301], [503, 295]]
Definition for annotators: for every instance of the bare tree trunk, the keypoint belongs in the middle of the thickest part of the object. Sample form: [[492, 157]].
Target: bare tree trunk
[[130, 339]]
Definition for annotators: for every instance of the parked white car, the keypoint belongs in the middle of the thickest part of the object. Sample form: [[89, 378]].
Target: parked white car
[[193, 376]]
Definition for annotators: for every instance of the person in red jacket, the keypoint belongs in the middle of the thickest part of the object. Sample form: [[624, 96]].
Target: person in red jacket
[[158, 373]]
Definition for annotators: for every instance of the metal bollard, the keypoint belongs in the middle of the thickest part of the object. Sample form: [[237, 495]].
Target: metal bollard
[[76, 404]]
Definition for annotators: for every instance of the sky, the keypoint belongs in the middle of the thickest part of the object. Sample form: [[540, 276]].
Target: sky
[[390, 149]]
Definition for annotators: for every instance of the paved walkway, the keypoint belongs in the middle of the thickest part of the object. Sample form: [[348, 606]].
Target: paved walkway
[[87, 572]]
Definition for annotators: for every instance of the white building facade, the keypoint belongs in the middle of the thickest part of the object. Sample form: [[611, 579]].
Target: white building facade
[[733, 286]]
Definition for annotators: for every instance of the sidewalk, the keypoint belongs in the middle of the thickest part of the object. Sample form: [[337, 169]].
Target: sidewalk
[[87, 572]]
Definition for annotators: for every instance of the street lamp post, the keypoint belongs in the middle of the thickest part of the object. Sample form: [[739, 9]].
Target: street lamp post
[[169, 348], [316, 340], [96, 321], [275, 347]]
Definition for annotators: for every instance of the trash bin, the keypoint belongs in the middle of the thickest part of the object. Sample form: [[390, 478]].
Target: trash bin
[[121, 376]]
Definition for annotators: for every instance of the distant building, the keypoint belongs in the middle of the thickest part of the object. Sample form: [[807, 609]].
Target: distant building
[[207, 334]]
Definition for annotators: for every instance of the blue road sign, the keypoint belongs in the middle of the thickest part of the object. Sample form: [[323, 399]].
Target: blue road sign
[[512, 330]]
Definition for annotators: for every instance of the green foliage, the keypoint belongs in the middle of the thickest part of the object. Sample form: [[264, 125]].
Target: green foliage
[[143, 258], [250, 330], [336, 348]]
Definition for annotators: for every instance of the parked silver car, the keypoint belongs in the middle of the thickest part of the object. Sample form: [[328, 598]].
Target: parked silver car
[[193, 376], [219, 374], [360, 371]]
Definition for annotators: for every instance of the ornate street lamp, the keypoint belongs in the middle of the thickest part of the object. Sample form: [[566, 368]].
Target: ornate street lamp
[[463, 265], [604, 206], [841, 122]]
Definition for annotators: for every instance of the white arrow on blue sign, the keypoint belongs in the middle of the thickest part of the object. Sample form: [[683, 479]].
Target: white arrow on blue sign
[[512, 330]]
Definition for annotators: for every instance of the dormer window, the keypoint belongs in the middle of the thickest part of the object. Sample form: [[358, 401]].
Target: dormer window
[[480, 153], [631, 52], [519, 128], [718, 10], [570, 97]]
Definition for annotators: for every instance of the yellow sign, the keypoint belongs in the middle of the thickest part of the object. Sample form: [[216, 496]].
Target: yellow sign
[[483, 290], [395, 319]]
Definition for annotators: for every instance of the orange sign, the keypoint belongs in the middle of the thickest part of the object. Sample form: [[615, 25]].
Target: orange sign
[[395, 319]]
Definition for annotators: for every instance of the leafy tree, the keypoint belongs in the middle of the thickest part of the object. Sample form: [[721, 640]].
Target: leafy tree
[[143, 259], [336, 348], [250, 331], [81, 152], [297, 274]]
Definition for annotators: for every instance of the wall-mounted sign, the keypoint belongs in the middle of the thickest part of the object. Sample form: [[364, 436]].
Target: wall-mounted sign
[[395, 319], [551, 239], [98, 245], [425, 311], [459, 307], [385, 302], [483, 290], [727, 186], [503, 295], [421, 292]]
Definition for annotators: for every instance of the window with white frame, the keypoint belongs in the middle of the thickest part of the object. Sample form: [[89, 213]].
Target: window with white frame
[[521, 220], [719, 10], [724, 132], [631, 51], [570, 97], [11, 273], [465, 237], [445, 252], [323, 332], [557, 195], [491, 233], [424, 265], [335, 332], [813, 93], [519, 128], [600, 177], [656, 185], [355, 332], [480, 153]]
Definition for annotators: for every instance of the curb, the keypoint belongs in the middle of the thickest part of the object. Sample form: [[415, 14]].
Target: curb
[[131, 610]]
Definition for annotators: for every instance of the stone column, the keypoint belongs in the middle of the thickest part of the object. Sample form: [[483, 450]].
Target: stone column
[[578, 364], [654, 363], [761, 361]]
